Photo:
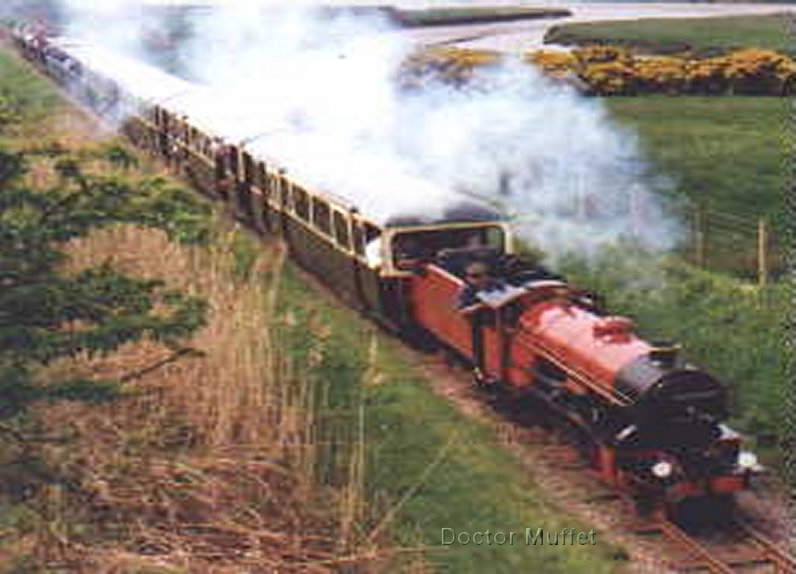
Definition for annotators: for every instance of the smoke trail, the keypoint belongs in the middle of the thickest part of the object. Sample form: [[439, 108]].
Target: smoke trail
[[321, 90]]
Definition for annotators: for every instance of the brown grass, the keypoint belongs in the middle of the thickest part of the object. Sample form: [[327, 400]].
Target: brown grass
[[206, 462]]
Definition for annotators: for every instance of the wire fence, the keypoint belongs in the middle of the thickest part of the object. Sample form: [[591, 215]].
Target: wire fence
[[743, 245]]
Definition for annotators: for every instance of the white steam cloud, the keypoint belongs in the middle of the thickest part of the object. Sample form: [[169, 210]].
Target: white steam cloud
[[115, 24], [322, 92]]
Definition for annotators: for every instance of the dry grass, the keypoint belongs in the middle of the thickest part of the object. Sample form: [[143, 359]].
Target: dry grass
[[207, 462]]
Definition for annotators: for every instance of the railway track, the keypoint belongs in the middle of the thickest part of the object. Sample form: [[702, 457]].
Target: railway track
[[740, 548], [654, 545]]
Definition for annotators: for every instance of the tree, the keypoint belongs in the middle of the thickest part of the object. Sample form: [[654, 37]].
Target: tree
[[48, 312]]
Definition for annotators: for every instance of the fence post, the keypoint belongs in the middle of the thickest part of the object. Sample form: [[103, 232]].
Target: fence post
[[762, 252]]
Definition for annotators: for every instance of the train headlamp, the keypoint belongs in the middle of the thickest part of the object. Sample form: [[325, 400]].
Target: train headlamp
[[747, 460], [662, 469]]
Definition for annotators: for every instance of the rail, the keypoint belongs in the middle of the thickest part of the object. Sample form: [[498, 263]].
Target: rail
[[762, 551]]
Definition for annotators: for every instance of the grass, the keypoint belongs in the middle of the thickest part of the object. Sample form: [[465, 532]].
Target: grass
[[701, 36], [726, 154], [473, 15], [455, 472], [24, 96]]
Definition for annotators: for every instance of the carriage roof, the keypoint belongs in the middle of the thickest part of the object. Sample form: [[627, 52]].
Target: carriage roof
[[379, 189]]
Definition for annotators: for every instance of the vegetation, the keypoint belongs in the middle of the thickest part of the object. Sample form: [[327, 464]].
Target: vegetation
[[722, 153], [49, 313], [610, 71], [697, 36], [185, 467], [473, 15], [24, 98], [264, 450], [424, 465]]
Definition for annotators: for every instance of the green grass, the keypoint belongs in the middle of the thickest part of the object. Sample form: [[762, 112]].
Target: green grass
[[474, 15], [477, 484], [725, 153], [703, 36], [24, 97]]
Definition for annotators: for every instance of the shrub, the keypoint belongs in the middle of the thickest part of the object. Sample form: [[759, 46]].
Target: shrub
[[661, 75], [614, 78], [612, 71], [758, 72]]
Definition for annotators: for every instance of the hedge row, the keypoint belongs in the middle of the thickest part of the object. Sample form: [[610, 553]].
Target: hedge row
[[606, 70]]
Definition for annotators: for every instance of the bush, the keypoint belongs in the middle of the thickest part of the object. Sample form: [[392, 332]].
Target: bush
[[609, 70], [613, 71], [758, 72], [613, 78], [452, 65], [661, 75]]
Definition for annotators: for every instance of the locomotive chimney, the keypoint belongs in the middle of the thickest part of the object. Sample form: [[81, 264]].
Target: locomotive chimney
[[664, 353]]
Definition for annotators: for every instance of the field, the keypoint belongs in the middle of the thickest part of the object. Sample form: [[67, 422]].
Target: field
[[725, 153], [473, 15], [722, 152], [268, 435], [701, 36]]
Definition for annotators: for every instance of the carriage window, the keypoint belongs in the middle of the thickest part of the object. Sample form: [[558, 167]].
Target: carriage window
[[301, 203], [261, 177], [341, 230], [359, 239], [373, 245], [248, 168], [273, 187], [320, 215], [495, 237], [284, 186], [232, 157]]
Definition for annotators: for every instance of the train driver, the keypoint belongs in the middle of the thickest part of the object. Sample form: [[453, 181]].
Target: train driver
[[478, 279]]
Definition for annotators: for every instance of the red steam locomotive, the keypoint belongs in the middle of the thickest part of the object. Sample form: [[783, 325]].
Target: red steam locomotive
[[653, 420]]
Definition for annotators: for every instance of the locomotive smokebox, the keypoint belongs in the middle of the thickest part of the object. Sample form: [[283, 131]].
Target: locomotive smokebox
[[669, 389]]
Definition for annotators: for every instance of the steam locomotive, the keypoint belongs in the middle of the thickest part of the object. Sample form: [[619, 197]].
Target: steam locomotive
[[653, 420]]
